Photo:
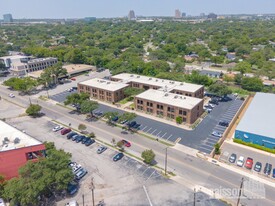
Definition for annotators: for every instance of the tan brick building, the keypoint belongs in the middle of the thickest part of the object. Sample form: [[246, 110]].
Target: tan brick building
[[138, 81], [170, 105], [104, 90]]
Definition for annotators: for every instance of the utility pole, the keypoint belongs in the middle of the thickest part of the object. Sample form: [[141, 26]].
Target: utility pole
[[83, 200], [240, 192], [30, 101], [92, 187], [194, 196], [166, 160]]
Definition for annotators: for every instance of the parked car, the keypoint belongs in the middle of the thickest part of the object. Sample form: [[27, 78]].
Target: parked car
[[75, 137], [71, 134], [131, 124], [224, 123], [73, 79], [101, 149], [273, 173], [124, 122], [114, 119], [79, 138], [126, 143], [57, 128], [136, 126], [118, 156], [72, 203], [84, 140], [249, 163], [267, 169], [65, 131], [240, 161], [72, 188], [258, 167], [80, 174], [75, 167], [89, 142], [2, 203], [208, 110], [11, 95], [216, 102], [216, 134], [232, 158]]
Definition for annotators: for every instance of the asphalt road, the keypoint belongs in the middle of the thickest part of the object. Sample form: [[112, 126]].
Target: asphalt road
[[193, 170], [200, 138]]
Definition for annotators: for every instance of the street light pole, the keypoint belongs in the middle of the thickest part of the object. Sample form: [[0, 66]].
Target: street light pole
[[92, 187], [166, 160], [194, 196], [240, 192]]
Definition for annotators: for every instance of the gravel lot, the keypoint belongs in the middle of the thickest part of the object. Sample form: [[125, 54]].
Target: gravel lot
[[117, 183]]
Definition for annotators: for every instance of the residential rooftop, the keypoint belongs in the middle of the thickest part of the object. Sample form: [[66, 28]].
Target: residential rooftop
[[172, 99], [258, 118], [104, 84], [12, 138], [164, 84]]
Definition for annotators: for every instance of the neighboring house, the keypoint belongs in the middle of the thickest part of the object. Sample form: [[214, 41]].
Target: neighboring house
[[213, 74], [230, 56]]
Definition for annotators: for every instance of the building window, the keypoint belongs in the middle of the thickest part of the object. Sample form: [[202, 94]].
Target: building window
[[140, 107], [149, 104], [160, 113], [170, 116], [170, 109], [184, 113], [160, 106], [184, 119], [140, 101], [149, 110]]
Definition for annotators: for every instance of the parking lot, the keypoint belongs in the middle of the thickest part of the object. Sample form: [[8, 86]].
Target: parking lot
[[256, 155], [200, 138], [126, 182]]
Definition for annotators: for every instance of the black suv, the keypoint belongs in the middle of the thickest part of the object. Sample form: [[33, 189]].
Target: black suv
[[224, 123], [267, 169]]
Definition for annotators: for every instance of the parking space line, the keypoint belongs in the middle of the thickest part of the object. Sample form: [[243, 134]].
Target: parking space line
[[148, 130], [144, 171], [208, 139], [202, 146], [153, 131], [158, 133], [164, 135], [169, 137], [150, 175], [144, 128]]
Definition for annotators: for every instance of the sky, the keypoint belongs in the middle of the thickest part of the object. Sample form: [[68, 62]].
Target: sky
[[120, 8]]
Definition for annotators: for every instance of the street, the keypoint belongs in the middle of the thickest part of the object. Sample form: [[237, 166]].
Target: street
[[195, 171]]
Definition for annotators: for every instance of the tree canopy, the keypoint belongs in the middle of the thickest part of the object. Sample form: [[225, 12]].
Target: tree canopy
[[33, 110], [252, 84], [21, 84], [219, 89]]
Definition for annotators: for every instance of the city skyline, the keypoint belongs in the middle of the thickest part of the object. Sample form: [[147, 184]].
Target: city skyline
[[120, 8]]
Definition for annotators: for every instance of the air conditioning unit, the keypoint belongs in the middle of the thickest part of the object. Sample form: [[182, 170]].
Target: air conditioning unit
[[181, 83], [150, 78], [131, 75], [138, 76], [16, 140], [176, 96], [166, 94]]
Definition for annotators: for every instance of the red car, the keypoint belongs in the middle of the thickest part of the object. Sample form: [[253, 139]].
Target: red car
[[65, 131], [249, 163], [126, 143], [73, 79]]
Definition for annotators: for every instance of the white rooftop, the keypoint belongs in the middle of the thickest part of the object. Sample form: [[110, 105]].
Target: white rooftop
[[104, 84], [172, 99], [167, 85], [14, 57], [16, 138], [259, 117]]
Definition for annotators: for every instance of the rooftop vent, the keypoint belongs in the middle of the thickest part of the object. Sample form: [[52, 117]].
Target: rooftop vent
[[138, 76], [166, 94], [108, 82], [131, 75], [176, 96], [181, 83], [150, 78], [16, 140], [156, 80], [163, 80]]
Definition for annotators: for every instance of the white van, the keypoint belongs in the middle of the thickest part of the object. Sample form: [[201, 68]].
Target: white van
[[240, 161], [2, 203]]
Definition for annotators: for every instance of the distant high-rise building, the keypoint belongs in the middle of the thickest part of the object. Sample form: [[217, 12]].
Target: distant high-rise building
[[131, 15], [183, 14], [212, 16], [7, 18], [177, 14], [202, 14]]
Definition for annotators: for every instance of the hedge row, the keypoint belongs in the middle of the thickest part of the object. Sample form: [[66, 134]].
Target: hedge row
[[254, 145]]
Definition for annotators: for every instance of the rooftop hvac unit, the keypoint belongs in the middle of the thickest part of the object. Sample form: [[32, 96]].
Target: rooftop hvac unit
[[181, 83], [150, 78], [108, 82], [166, 94], [131, 75], [176, 96], [16, 140], [156, 80], [163, 80], [138, 76]]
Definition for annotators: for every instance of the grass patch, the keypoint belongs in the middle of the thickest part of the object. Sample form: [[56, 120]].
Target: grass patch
[[125, 100], [152, 138], [254, 146], [64, 106], [196, 123], [43, 98], [240, 91]]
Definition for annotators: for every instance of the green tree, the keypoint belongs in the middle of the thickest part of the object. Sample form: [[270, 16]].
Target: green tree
[[127, 116], [120, 145], [131, 91], [228, 78], [82, 127], [217, 59], [219, 89], [88, 106], [52, 74], [196, 78], [217, 150], [148, 156], [37, 179], [252, 84], [243, 67], [91, 135], [179, 120], [76, 98], [21, 84], [238, 79], [33, 110], [110, 116]]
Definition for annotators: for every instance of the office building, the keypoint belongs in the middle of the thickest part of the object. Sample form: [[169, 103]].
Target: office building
[[131, 15], [144, 82], [169, 105], [16, 150], [183, 14], [32, 65], [7, 18], [104, 90], [177, 14], [257, 124]]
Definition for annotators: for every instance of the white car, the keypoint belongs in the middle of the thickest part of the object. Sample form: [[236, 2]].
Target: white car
[[57, 128], [72, 203], [11, 95], [240, 161], [216, 134]]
